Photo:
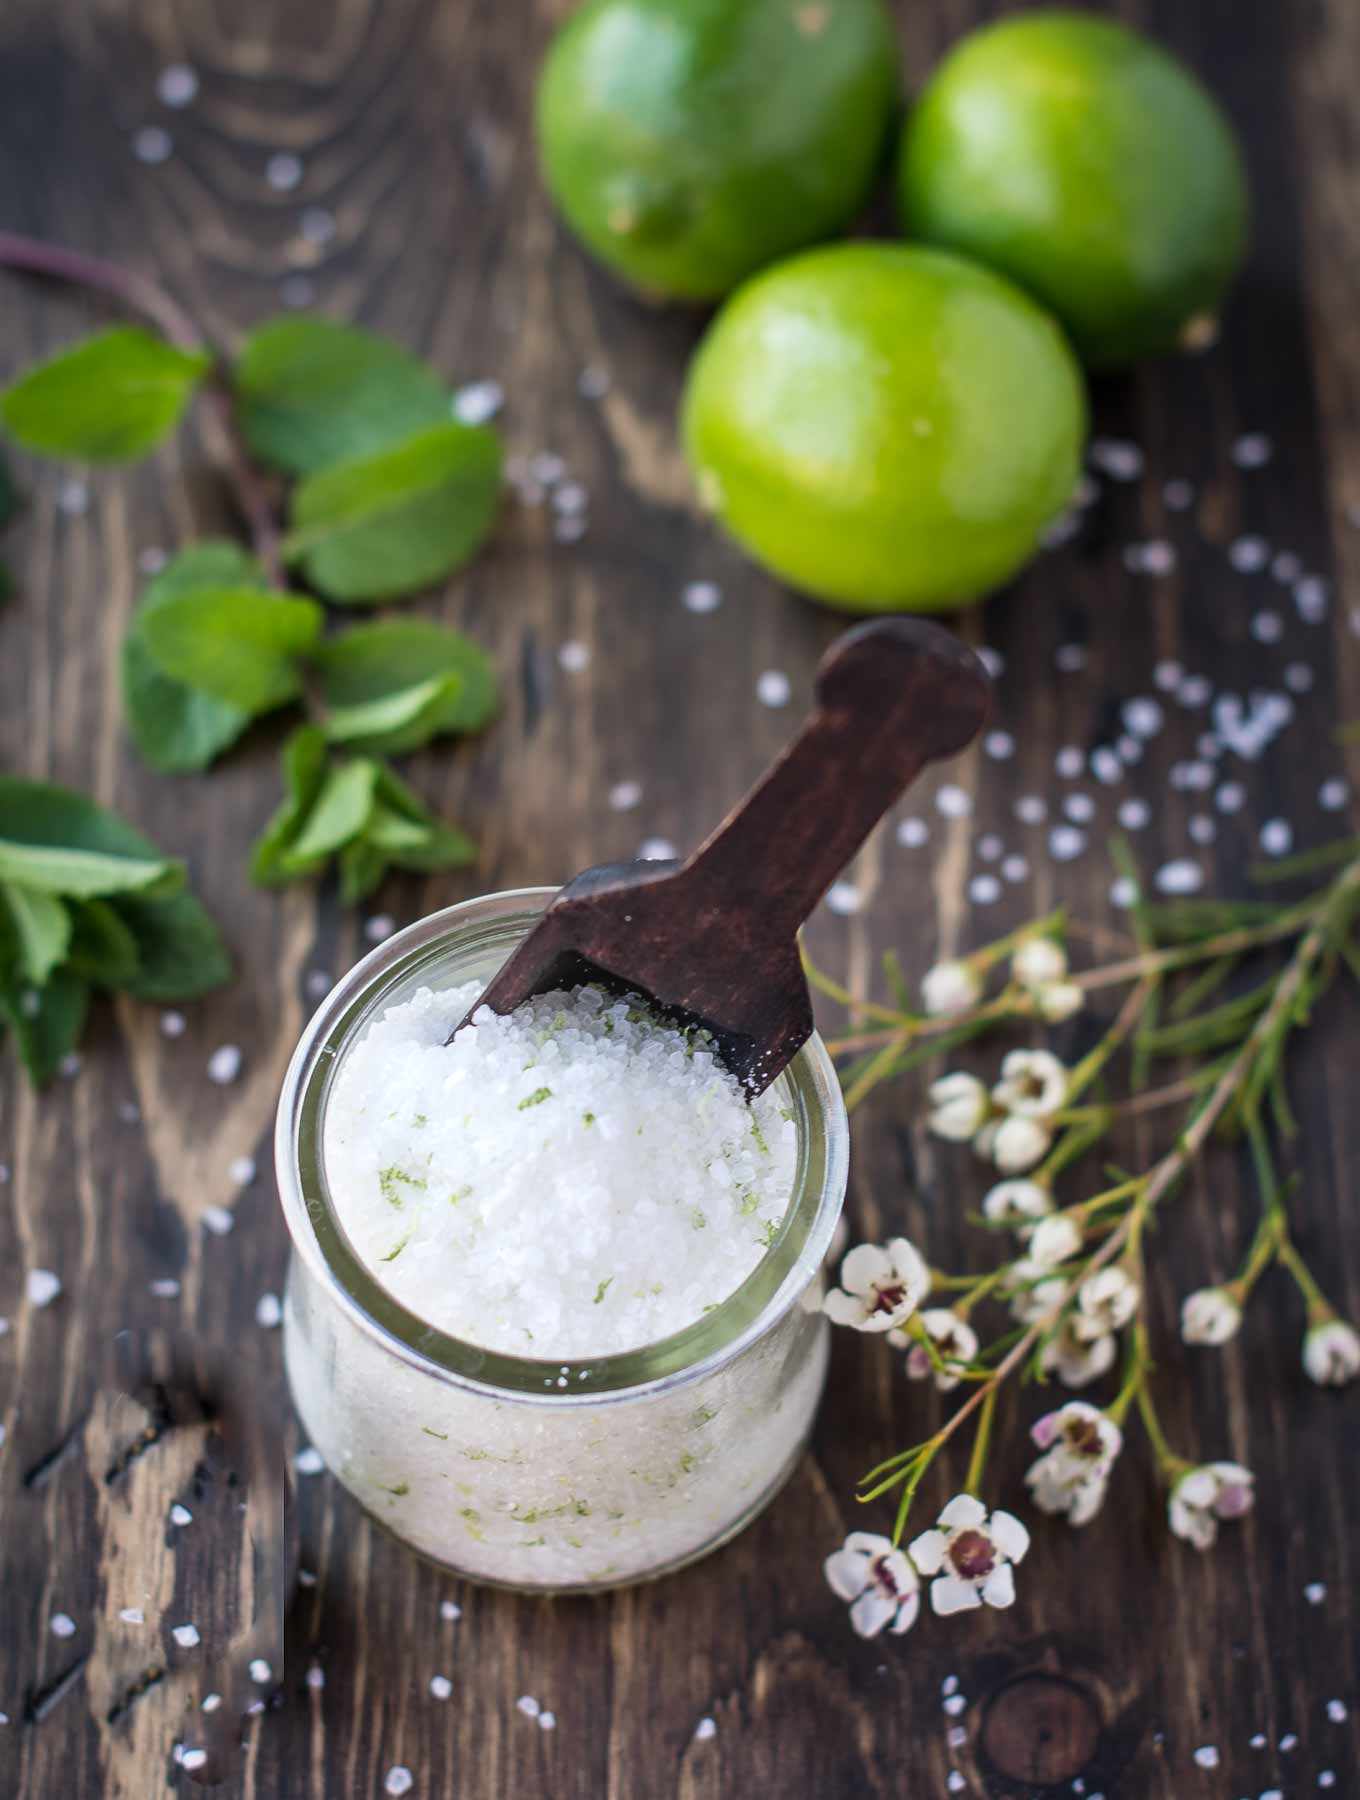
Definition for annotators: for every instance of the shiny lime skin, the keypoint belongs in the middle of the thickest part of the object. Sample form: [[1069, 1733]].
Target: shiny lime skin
[[888, 428], [690, 142], [1090, 166]]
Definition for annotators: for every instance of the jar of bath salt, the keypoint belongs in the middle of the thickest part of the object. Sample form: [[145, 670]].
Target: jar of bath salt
[[553, 1312]]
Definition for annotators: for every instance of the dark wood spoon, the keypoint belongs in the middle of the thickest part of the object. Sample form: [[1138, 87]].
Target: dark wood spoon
[[714, 941]]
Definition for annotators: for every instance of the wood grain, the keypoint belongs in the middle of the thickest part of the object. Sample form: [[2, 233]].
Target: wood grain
[[411, 118]]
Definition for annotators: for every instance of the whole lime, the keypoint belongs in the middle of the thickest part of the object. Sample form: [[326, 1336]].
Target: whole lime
[[689, 142], [886, 427], [1090, 166]]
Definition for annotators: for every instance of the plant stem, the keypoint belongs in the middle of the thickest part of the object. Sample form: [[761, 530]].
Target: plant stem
[[977, 1462], [139, 294]]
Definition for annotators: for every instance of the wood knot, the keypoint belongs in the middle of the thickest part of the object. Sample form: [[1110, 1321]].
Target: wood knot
[[1041, 1729]]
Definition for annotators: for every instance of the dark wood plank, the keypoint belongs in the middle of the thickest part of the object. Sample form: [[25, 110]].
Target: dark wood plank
[[411, 120]]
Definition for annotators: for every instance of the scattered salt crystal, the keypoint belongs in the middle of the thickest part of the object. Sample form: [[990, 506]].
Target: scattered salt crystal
[[261, 1672], [547, 1721], [1180, 877], [1286, 567], [1191, 777], [573, 656], [1015, 869], [1258, 1741], [844, 898], [1253, 450], [177, 85], [309, 1461], [194, 1759], [440, 1686], [528, 1706], [1124, 893], [950, 1685], [984, 890], [956, 1704], [701, 596], [1271, 1794], [1106, 766], [217, 1220], [283, 172], [570, 498], [268, 1311], [399, 1780], [1299, 677], [73, 498], [953, 801], [1070, 658], [380, 926], [569, 529], [1248, 554], [165, 1287], [1129, 749], [1080, 808], [1277, 837], [1267, 627], [547, 467], [42, 1287], [1178, 495], [625, 795], [62, 1625], [450, 1610], [1194, 690], [1333, 794], [1231, 797], [1116, 457], [180, 1515], [132, 1615], [224, 1065], [478, 402], [1069, 762], [1337, 1711], [1156, 557], [1289, 1741], [316, 1678], [999, 745], [657, 849], [1207, 1756], [992, 661], [1167, 676], [186, 1636], [912, 833], [211, 1702], [241, 1170], [1311, 594], [706, 1729], [1202, 829], [152, 145], [990, 847], [773, 688], [172, 1024], [1030, 809], [955, 1781], [593, 382], [307, 1578], [956, 1736], [1327, 1778], [1066, 842], [1315, 1593]]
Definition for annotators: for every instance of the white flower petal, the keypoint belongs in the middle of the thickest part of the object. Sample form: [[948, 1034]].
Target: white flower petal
[[927, 1552], [865, 1265], [950, 1595], [870, 1543], [872, 1611], [847, 1574], [907, 1612], [963, 1510], [1087, 1499], [845, 1309], [1010, 1536], [1197, 1489], [999, 1588]]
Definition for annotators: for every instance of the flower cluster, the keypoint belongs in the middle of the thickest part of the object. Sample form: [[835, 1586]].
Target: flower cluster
[[1013, 1125], [968, 1556]]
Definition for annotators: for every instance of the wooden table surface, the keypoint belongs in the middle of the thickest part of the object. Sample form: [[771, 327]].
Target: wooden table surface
[[411, 119]]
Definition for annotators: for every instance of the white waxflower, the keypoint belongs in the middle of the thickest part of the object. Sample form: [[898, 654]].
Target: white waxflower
[[1033, 1084], [1034, 1290], [1018, 1203], [958, 1106], [1053, 1240], [1015, 1144], [1106, 1301], [1080, 1445], [955, 1341], [1219, 1490], [1039, 961], [877, 1580], [1077, 1361], [950, 987], [1057, 1001], [1210, 1316], [1331, 1353], [881, 1286], [970, 1555]]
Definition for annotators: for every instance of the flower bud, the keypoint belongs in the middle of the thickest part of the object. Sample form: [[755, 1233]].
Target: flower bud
[[1331, 1353], [958, 1106], [950, 987], [1210, 1316], [1039, 961], [1058, 1000], [1019, 1143], [1054, 1240]]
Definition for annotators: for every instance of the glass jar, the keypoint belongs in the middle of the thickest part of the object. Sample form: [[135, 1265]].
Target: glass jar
[[535, 1474]]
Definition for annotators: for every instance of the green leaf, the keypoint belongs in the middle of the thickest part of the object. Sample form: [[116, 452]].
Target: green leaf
[[362, 867], [46, 1022], [173, 725], [179, 950], [304, 770], [385, 525], [339, 814], [109, 398], [103, 950], [59, 842], [237, 644], [42, 929], [392, 685], [310, 393]]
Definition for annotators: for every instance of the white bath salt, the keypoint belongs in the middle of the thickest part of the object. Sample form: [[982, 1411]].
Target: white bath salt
[[1191, 777], [177, 85], [1015, 869], [1180, 877], [1124, 893], [570, 529], [990, 847], [399, 1781], [1207, 1756], [478, 402], [547, 467], [261, 1672], [440, 1686], [316, 1678], [956, 1781], [575, 1174], [152, 144], [380, 926], [173, 1024], [953, 802], [1231, 797], [1267, 627], [1167, 676], [241, 1171], [1337, 1712], [69, 1066], [1116, 457], [657, 849], [307, 1578], [1201, 828], [1311, 596], [1070, 658], [950, 1685], [701, 596], [1315, 1593], [1253, 450], [132, 1615], [528, 1706], [1271, 1794], [450, 1610], [956, 1704], [62, 1625], [593, 383], [706, 1728], [1066, 842], [165, 1287], [573, 656], [1299, 677], [999, 745], [547, 1721], [1069, 762], [1194, 690], [773, 688], [1258, 1741], [195, 1759], [1080, 808], [317, 226], [1178, 495], [992, 661], [309, 1462], [844, 898], [625, 795], [1106, 766], [956, 1736], [912, 833], [1286, 567], [186, 1636], [1156, 557], [268, 1311], [218, 1220], [1277, 837], [1327, 1778], [180, 1515], [1129, 749], [984, 890], [224, 1065], [1031, 809], [1333, 794], [283, 172], [41, 1287], [1248, 554], [73, 498]]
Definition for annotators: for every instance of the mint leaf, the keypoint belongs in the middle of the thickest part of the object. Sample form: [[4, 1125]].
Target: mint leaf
[[440, 846], [42, 930], [46, 1021], [109, 398], [362, 867], [175, 726], [339, 813], [304, 770], [179, 950], [385, 525], [237, 644], [395, 684], [103, 950], [58, 842], [310, 393]]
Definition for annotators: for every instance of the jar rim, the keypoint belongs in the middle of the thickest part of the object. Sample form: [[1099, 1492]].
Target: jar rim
[[775, 1285]]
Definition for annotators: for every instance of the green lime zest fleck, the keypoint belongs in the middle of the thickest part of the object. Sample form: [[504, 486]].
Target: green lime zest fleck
[[459, 1194], [588, 1118], [603, 1289], [387, 1184], [688, 1462], [697, 1219], [759, 1136], [396, 1249], [399, 1491], [537, 1098], [429, 1431]]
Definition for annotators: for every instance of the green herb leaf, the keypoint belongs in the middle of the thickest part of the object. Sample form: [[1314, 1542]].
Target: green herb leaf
[[385, 525], [179, 950], [46, 1021], [103, 950], [59, 842], [175, 726], [304, 770], [362, 867], [397, 683], [442, 846], [339, 814], [311, 393], [42, 930], [237, 644], [109, 398]]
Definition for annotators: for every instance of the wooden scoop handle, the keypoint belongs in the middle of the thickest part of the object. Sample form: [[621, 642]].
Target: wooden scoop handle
[[892, 695]]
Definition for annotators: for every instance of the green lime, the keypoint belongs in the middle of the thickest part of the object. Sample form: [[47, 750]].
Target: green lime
[[1090, 166], [886, 427], [689, 142]]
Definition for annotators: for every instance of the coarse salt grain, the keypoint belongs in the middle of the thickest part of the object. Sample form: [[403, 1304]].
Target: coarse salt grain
[[999, 745], [62, 1625], [399, 1781], [241, 1171], [1070, 658], [1289, 1742], [165, 1287], [912, 833], [180, 1515], [955, 1781], [990, 847], [132, 1615], [1277, 837], [1299, 677], [547, 1721], [706, 1729], [316, 1677], [992, 661], [1333, 794], [478, 402], [701, 596], [1201, 829], [317, 226], [528, 1706], [954, 802], [1207, 1756], [41, 1287], [1015, 869], [260, 1671], [1134, 815], [1315, 1593], [268, 1311], [217, 1220], [1178, 495], [440, 1686], [152, 145], [1030, 809], [1066, 842], [177, 85], [955, 1704], [573, 656], [1124, 893], [309, 1462], [844, 898], [172, 1024], [380, 926], [1180, 877], [773, 688], [593, 383], [625, 795], [194, 1759], [1080, 808], [657, 849], [449, 1610], [1194, 690], [1311, 595], [186, 1636], [283, 172], [224, 1065], [1248, 554], [1069, 762], [984, 890], [1116, 457]]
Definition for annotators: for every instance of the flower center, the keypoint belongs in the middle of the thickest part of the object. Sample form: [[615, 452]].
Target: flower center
[[973, 1555], [1083, 1437], [888, 1299], [884, 1576]]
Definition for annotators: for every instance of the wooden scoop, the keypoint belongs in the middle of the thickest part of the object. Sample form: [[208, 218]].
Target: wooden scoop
[[714, 941]]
